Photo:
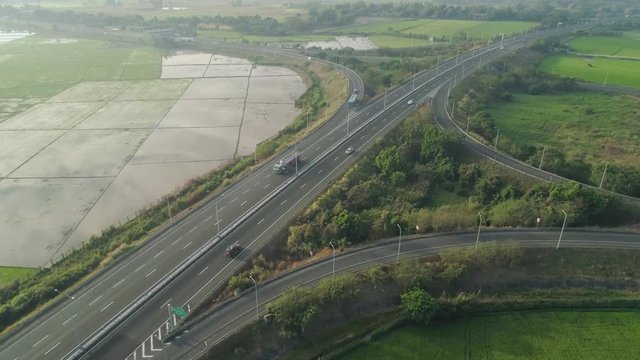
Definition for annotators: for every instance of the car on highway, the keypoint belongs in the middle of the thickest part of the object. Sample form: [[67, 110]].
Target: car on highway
[[349, 150], [410, 102], [233, 250]]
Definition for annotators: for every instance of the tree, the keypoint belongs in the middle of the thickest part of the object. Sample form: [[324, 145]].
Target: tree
[[418, 305]]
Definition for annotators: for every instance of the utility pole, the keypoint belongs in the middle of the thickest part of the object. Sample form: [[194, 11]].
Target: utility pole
[[603, 175], [605, 79], [217, 219], [542, 157], [399, 241], [561, 231], [169, 208], [256, 286], [497, 137], [479, 225], [468, 121], [333, 260]]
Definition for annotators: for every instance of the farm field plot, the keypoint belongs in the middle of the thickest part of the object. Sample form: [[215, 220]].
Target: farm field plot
[[607, 45], [390, 41], [155, 90], [444, 28], [535, 335], [615, 71], [42, 67], [594, 127]]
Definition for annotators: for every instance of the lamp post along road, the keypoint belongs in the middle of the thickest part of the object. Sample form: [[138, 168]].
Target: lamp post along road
[[399, 241], [603, 175], [256, 286], [562, 230], [542, 157], [479, 225], [333, 260], [75, 328]]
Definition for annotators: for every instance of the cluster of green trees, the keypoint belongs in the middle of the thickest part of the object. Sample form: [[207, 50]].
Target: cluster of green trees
[[399, 180], [497, 82]]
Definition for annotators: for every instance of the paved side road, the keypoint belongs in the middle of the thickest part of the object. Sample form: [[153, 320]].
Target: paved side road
[[227, 318]]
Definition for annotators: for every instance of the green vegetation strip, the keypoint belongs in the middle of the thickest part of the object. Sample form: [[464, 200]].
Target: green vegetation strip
[[11, 275], [521, 335], [607, 45]]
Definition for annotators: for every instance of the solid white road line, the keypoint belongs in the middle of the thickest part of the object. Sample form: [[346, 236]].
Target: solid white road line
[[53, 347], [184, 247], [152, 271], [144, 352], [260, 222], [95, 300], [203, 270], [69, 319], [105, 308], [158, 254], [118, 283], [244, 202], [41, 340]]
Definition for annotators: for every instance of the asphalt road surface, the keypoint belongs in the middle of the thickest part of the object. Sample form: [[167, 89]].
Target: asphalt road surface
[[227, 318], [250, 212]]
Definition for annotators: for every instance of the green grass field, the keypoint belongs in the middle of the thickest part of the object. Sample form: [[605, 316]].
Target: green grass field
[[620, 72], [10, 274], [390, 41], [607, 45], [591, 126], [473, 29], [41, 67], [537, 335]]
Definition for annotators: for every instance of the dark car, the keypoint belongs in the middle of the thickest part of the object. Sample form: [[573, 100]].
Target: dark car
[[233, 250]]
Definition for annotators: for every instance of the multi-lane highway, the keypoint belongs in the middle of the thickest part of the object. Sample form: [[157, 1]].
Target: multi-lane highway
[[227, 318], [186, 262]]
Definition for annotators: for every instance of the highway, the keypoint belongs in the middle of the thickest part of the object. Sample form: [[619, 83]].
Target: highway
[[231, 315], [118, 313]]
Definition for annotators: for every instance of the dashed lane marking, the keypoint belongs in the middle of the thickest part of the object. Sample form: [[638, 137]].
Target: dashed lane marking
[[69, 319], [118, 283], [53, 347], [209, 218], [260, 222], [282, 203], [318, 148], [165, 304], [184, 247], [141, 266], [203, 270], [95, 300], [192, 229], [176, 240], [245, 192], [234, 199], [320, 172], [266, 186], [152, 271], [302, 186], [41, 340], [105, 308], [158, 254], [244, 202]]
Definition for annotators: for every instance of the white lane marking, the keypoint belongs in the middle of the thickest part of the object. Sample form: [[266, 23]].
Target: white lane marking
[[234, 199], [362, 137], [176, 240], [257, 183], [318, 148], [118, 283], [69, 319], [192, 229], [302, 186], [41, 340], [331, 138], [220, 209], [154, 337], [336, 158], [245, 192], [244, 202], [267, 176], [53, 347], [209, 218], [158, 254], [184, 247], [320, 172], [152, 271], [144, 351], [266, 186], [375, 127], [203, 270], [95, 300], [165, 304], [139, 267], [260, 222], [105, 308], [282, 203]]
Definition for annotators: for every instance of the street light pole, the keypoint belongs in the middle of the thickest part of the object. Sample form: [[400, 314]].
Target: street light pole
[[385, 99], [256, 286], [603, 175], [75, 328], [497, 137], [542, 157], [399, 241], [333, 261], [479, 225], [169, 209], [562, 230]]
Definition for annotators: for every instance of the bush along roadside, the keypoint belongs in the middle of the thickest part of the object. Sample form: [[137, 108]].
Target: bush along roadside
[[21, 298], [460, 282]]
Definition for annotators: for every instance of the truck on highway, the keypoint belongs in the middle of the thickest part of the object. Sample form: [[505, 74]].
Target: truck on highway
[[353, 100], [292, 160], [233, 250]]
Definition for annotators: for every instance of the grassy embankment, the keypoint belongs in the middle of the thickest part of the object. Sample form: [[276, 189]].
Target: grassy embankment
[[598, 69], [527, 335], [596, 127], [9, 275]]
